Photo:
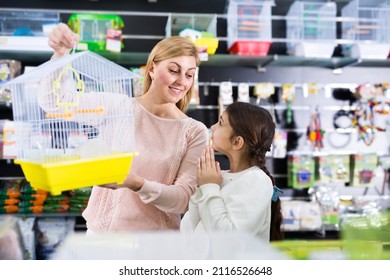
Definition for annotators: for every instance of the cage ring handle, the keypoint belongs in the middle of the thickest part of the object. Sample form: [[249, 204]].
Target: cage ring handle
[[80, 87]]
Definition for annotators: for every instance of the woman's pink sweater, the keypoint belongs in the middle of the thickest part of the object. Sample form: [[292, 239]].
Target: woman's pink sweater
[[168, 153]]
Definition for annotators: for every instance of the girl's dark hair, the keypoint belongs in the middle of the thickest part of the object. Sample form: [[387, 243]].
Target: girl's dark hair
[[256, 126]]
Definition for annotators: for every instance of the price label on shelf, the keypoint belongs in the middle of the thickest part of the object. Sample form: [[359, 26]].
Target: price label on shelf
[[114, 40]]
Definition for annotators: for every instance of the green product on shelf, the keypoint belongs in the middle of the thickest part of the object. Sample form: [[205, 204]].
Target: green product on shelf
[[79, 199], [25, 187], [367, 236], [306, 249], [363, 166], [26, 204], [82, 191], [330, 218], [33, 197], [77, 208], [362, 238], [9, 209], [62, 198], [37, 209], [300, 169], [333, 169], [92, 29]]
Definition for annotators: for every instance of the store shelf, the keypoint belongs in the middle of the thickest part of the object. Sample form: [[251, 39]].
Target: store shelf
[[292, 61], [227, 60], [42, 215], [9, 170], [23, 43], [218, 60], [127, 58], [26, 56], [7, 105], [312, 235]]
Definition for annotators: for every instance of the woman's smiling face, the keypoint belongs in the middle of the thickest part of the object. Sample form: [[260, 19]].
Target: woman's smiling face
[[172, 78]]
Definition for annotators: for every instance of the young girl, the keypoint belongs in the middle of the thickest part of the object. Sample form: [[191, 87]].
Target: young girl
[[244, 198]]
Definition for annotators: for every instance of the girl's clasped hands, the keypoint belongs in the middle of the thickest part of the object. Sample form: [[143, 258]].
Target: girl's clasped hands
[[209, 170]]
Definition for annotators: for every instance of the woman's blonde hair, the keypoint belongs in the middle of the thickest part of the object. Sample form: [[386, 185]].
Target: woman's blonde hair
[[168, 48]]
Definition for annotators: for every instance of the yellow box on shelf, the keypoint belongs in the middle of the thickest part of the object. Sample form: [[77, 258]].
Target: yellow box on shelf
[[210, 43], [201, 28]]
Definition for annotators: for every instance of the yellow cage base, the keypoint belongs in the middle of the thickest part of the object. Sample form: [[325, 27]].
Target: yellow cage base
[[69, 175]]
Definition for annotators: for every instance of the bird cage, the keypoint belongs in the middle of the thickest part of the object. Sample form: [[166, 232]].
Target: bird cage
[[27, 23], [311, 29], [249, 27], [93, 30], [366, 24], [74, 122], [201, 28]]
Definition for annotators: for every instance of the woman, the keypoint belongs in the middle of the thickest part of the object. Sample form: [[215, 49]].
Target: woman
[[243, 198], [163, 177]]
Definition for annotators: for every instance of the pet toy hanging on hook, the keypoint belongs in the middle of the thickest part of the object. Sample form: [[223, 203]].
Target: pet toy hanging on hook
[[288, 94], [363, 118], [364, 121], [314, 132]]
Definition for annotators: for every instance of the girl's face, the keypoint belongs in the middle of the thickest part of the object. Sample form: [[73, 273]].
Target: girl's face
[[221, 134], [172, 78]]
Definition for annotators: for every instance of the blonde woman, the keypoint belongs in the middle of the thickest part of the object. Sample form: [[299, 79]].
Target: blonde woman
[[163, 177]]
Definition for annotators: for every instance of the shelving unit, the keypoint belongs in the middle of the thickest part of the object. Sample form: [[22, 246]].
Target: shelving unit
[[276, 67], [217, 60], [135, 41]]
